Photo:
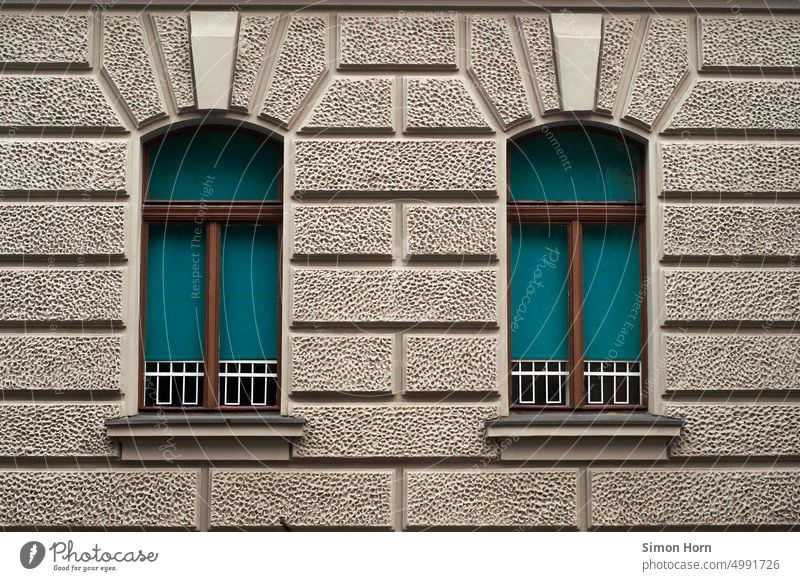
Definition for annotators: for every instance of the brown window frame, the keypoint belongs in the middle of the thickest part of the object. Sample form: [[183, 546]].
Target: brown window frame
[[574, 215], [214, 216]]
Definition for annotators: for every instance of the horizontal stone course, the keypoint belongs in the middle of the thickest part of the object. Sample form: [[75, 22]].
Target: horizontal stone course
[[44, 40], [354, 104], [659, 498], [69, 167], [468, 230], [518, 498], [742, 430], [731, 230], [99, 499], [394, 296], [85, 362], [56, 429], [60, 294], [58, 229], [390, 166], [732, 296], [433, 104], [341, 363], [307, 498], [450, 363], [343, 230], [383, 431], [749, 43]]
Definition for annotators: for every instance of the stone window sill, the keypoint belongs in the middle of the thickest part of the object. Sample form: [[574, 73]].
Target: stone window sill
[[584, 435], [205, 436]]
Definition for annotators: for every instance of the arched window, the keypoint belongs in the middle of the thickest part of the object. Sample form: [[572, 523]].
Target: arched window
[[576, 265], [211, 269]]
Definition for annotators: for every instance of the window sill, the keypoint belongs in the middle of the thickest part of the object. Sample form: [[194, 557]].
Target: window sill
[[205, 436], [584, 435]]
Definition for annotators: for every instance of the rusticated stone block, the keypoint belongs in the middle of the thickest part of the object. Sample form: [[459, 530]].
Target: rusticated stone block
[[81, 362], [60, 294], [741, 230], [468, 230], [343, 230], [308, 498], [127, 65], [176, 51], [732, 295], [450, 363], [381, 431], [387, 166], [73, 166], [99, 499], [354, 104], [53, 229], [302, 61], [658, 498], [44, 40], [441, 104], [397, 42], [56, 429], [664, 63], [714, 106], [539, 45], [739, 362], [55, 101], [394, 296], [750, 43], [493, 65], [342, 363], [255, 34], [751, 168], [617, 37], [736, 430], [519, 498]]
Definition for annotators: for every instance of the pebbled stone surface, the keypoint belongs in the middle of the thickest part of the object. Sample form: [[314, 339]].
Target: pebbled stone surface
[[75, 166], [493, 65], [730, 296], [56, 429], [519, 498], [663, 64], [255, 34], [83, 362], [176, 51], [394, 295], [657, 498], [342, 363], [60, 294], [433, 104], [44, 40], [397, 42], [53, 229], [302, 61], [735, 362], [734, 106], [731, 230], [353, 104], [730, 168], [450, 363], [469, 230], [538, 42], [616, 47], [343, 230], [750, 43], [306, 498], [127, 64], [99, 499], [55, 101], [381, 431], [413, 166], [740, 430]]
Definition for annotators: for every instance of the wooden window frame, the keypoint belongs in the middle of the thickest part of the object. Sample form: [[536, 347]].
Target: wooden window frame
[[212, 216], [574, 215]]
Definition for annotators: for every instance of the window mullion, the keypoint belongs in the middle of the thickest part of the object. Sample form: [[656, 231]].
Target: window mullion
[[213, 233], [576, 314]]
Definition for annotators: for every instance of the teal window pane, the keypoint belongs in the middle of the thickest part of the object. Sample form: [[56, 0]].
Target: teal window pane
[[612, 292], [539, 317], [569, 166], [213, 165], [175, 307], [249, 292]]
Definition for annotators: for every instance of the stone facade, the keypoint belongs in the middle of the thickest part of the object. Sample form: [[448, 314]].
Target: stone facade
[[394, 347]]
